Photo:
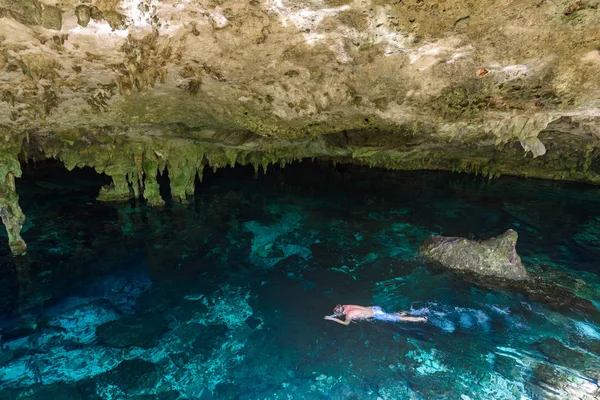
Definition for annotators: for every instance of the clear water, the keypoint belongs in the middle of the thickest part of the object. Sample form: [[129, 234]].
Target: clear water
[[224, 298]]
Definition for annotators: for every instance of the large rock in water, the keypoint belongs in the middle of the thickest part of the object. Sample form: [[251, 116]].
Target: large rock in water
[[493, 257]]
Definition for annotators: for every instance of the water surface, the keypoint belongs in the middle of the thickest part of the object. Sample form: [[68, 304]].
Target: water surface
[[224, 297]]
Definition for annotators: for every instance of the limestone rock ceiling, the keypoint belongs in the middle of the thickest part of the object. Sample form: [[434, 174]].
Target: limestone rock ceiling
[[509, 86], [293, 68]]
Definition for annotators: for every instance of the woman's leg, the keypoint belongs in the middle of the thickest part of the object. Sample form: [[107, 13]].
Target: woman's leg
[[407, 318]]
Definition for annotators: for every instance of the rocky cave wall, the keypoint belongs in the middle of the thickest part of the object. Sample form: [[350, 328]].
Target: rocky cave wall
[[131, 87]]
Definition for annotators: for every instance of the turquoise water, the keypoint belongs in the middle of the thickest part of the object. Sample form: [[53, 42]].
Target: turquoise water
[[224, 298]]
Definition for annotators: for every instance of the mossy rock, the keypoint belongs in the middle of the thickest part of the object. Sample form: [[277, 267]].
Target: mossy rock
[[462, 100], [83, 14], [51, 17], [495, 257], [115, 20], [27, 12]]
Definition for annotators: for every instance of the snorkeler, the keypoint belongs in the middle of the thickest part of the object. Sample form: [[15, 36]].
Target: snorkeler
[[351, 313]]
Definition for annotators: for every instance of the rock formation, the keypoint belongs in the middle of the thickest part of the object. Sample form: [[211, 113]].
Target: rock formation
[[495, 257], [10, 212], [495, 263], [131, 87]]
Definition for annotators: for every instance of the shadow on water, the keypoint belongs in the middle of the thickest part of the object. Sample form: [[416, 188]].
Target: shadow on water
[[207, 299]]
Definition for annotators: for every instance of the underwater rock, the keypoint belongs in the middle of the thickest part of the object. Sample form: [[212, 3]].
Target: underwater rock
[[133, 374], [155, 300], [79, 322], [593, 346], [179, 359], [589, 233], [549, 293], [253, 322], [209, 337], [261, 358], [169, 395], [560, 354], [5, 356], [187, 309], [225, 391], [54, 391], [542, 291], [187, 333], [492, 257], [19, 328], [139, 330], [396, 389], [550, 375], [556, 383]]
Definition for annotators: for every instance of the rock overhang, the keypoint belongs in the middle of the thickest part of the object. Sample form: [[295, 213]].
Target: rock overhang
[[289, 68], [491, 87]]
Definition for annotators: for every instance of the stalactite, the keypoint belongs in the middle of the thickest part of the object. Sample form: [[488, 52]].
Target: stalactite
[[134, 182], [182, 181], [10, 212], [151, 165], [119, 190], [200, 172], [231, 155]]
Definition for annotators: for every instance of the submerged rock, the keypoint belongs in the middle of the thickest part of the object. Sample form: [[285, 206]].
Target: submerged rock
[[396, 389], [209, 337], [142, 331], [19, 328], [6, 356], [134, 375], [588, 234], [540, 290], [54, 391], [495, 263], [568, 357], [253, 322], [556, 383], [549, 293], [169, 395], [188, 332], [493, 257]]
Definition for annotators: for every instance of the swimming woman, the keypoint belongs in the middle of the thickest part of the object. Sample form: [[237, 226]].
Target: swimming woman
[[356, 313]]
